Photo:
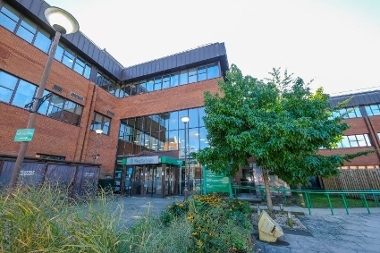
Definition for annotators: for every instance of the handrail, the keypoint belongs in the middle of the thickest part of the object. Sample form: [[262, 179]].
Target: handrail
[[375, 194]]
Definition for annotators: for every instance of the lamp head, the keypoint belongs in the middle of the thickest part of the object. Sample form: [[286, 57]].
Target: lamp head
[[185, 119], [99, 131], [61, 20]]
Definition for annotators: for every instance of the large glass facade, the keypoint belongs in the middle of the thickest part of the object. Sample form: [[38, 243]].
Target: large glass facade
[[163, 132]]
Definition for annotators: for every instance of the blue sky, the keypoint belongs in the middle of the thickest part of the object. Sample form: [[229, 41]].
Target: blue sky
[[334, 42]]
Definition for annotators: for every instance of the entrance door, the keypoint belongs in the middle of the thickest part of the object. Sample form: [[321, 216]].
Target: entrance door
[[153, 181]]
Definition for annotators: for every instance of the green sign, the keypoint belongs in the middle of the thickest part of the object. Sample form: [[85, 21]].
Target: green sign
[[215, 183], [24, 135]]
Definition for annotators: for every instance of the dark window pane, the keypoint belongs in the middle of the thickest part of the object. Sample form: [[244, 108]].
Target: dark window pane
[[55, 107], [77, 115], [24, 94], [9, 17], [27, 30], [42, 41], [174, 80], [143, 87], [213, 71], [202, 73], [165, 82], [192, 75]]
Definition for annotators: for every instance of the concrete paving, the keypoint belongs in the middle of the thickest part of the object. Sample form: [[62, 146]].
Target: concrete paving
[[338, 233]]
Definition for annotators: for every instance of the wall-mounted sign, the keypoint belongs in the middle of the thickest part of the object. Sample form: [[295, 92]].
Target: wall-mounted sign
[[143, 160], [24, 135], [110, 113], [76, 96], [57, 88]]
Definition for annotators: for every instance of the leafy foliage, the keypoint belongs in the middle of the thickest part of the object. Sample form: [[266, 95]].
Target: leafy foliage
[[278, 121]]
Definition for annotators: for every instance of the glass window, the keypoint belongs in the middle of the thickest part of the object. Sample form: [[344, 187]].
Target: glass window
[[87, 71], [193, 114], [68, 111], [44, 106], [59, 53], [213, 71], [193, 140], [165, 82], [55, 107], [353, 141], [182, 113], [202, 73], [7, 85], [106, 125], [9, 17], [192, 75], [149, 85], [183, 78], [68, 59], [174, 80], [372, 110], [173, 121], [203, 143], [143, 87], [202, 114], [24, 94], [172, 140], [79, 66], [27, 30], [157, 83], [77, 115], [362, 141], [42, 41]]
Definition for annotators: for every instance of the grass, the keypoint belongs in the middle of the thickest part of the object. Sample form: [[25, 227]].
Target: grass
[[321, 201]]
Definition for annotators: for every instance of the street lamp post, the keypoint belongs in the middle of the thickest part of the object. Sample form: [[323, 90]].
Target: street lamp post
[[98, 132], [63, 23], [185, 120]]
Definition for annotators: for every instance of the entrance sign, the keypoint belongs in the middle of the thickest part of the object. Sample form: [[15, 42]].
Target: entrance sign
[[140, 160], [215, 183], [24, 135]]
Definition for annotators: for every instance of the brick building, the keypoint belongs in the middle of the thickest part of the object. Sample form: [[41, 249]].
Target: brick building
[[138, 108]]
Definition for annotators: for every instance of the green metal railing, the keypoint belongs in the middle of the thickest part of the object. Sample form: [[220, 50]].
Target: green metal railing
[[282, 191]]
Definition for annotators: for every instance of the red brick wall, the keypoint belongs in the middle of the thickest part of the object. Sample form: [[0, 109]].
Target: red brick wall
[[51, 136], [176, 98]]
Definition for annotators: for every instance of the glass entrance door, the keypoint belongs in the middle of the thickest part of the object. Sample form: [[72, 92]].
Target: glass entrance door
[[153, 181]]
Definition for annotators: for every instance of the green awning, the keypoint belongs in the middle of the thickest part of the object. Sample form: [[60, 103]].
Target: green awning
[[172, 161]]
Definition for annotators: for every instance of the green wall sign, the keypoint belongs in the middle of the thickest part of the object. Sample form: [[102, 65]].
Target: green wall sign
[[24, 135], [215, 183]]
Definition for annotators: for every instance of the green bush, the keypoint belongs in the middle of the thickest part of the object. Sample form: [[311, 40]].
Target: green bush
[[47, 220]]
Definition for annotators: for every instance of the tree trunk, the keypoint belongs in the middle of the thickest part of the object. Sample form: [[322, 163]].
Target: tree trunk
[[267, 192]]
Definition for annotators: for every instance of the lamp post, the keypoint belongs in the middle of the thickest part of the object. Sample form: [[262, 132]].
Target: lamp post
[[98, 132], [185, 120], [63, 23]]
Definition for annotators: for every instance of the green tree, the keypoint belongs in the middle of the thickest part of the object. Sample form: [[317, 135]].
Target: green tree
[[278, 121]]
